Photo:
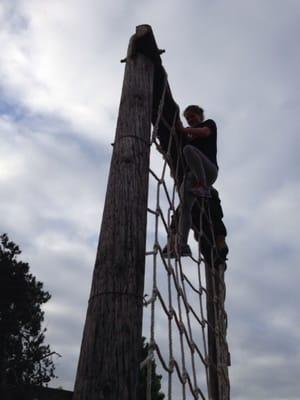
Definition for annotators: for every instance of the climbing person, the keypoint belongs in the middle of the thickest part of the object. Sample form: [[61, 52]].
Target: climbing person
[[200, 157], [214, 202]]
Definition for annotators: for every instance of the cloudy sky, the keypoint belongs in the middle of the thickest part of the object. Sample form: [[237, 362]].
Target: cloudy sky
[[60, 85]]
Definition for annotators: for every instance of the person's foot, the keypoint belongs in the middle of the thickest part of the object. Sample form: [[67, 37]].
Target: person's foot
[[170, 254], [221, 251], [222, 248], [184, 251]]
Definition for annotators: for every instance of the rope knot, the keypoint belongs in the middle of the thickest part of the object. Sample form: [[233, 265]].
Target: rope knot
[[181, 327], [171, 364], [185, 376], [193, 347]]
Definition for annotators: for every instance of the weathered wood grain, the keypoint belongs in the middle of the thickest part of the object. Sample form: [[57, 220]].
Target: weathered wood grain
[[110, 351]]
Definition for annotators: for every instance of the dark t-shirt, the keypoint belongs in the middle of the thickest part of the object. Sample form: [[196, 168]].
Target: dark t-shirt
[[208, 145]]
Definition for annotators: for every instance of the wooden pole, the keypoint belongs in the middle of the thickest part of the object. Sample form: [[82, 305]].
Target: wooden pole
[[217, 345], [110, 352], [212, 339]]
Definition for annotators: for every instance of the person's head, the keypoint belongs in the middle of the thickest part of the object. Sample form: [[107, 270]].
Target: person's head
[[193, 115]]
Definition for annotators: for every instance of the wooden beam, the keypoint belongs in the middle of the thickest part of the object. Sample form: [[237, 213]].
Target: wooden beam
[[110, 352]]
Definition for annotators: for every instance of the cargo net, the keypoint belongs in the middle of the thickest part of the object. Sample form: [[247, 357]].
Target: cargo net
[[187, 325]]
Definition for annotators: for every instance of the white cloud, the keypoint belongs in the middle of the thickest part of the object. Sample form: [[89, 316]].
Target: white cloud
[[55, 65]]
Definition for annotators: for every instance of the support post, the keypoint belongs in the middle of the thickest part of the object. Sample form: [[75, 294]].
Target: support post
[[110, 351], [219, 356], [212, 339]]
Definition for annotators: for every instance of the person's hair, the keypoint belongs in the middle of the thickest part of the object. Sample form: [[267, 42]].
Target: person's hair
[[195, 109]]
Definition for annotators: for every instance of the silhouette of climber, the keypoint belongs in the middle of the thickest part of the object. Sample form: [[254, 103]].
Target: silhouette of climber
[[199, 148]]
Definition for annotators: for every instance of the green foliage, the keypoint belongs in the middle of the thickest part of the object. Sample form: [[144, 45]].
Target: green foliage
[[24, 358], [156, 394]]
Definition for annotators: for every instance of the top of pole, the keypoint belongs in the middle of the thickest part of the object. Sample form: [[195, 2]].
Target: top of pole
[[164, 107], [143, 42]]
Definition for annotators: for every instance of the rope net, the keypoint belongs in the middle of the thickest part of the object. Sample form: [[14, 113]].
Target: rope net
[[185, 321]]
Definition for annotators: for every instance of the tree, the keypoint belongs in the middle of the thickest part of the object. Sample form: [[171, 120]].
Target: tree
[[156, 394], [24, 358]]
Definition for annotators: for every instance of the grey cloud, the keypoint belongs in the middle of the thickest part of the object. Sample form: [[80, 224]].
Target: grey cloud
[[59, 110]]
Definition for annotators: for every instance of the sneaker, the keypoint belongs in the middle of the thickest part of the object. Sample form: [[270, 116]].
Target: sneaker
[[221, 255], [171, 253], [185, 251], [223, 252]]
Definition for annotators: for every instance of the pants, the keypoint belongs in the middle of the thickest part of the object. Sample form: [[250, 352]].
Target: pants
[[201, 170]]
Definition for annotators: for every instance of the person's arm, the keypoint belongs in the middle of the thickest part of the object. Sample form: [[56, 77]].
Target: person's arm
[[195, 132]]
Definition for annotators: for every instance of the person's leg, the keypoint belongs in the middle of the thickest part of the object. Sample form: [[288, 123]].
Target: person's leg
[[183, 216], [217, 215], [203, 169], [186, 204], [219, 228]]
